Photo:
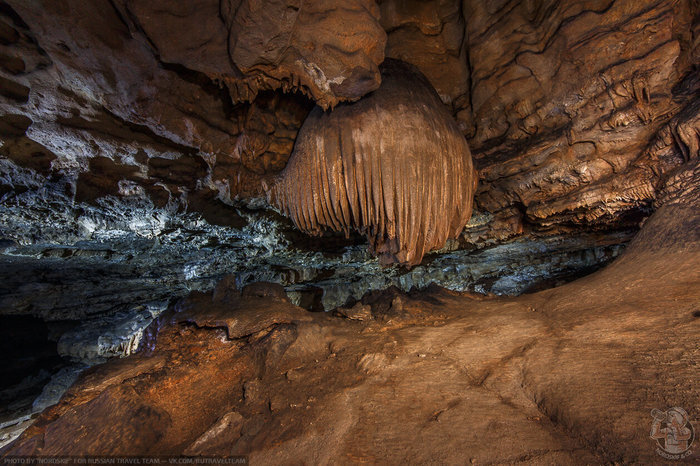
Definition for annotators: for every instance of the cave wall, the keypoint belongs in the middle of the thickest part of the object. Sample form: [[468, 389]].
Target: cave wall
[[103, 112], [564, 376], [103, 98], [581, 116], [106, 110], [580, 108]]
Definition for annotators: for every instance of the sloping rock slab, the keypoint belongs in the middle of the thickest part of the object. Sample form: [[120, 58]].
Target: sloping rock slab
[[258, 307]]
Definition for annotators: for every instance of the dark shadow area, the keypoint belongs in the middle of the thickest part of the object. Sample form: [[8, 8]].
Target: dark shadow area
[[28, 360]]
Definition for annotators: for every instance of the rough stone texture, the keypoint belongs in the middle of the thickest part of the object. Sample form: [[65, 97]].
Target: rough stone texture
[[94, 109], [566, 376], [91, 61], [393, 167], [253, 46], [580, 108], [267, 139], [241, 315], [100, 100], [113, 283], [580, 115], [431, 36]]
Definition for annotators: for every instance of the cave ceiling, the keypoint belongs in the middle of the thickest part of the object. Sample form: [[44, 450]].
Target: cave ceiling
[[120, 117], [190, 102]]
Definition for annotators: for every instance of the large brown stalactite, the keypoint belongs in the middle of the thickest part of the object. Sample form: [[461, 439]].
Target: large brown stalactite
[[393, 166]]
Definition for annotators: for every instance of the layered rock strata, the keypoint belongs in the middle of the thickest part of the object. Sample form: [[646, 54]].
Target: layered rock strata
[[247, 373]]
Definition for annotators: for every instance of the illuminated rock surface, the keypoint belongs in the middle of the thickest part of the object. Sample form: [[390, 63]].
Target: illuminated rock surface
[[393, 167], [133, 162], [544, 374]]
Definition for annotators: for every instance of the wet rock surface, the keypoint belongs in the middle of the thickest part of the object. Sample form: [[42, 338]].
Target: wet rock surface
[[441, 366]]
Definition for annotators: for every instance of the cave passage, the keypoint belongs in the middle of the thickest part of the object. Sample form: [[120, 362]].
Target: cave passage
[[435, 231]]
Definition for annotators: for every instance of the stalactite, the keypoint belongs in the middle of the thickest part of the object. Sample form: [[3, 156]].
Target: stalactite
[[393, 166]]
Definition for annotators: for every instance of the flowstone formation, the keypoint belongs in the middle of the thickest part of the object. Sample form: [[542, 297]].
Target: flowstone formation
[[393, 166]]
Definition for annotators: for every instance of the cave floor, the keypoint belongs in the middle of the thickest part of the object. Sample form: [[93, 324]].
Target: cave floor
[[567, 375]]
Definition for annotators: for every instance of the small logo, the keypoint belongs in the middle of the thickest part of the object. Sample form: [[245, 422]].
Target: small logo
[[673, 433]]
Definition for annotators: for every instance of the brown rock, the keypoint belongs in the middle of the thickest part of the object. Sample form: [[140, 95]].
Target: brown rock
[[279, 44], [119, 403], [19, 148], [562, 133], [243, 316], [571, 102], [430, 35], [226, 290], [358, 312], [359, 166], [175, 127], [221, 436], [271, 126], [564, 376]]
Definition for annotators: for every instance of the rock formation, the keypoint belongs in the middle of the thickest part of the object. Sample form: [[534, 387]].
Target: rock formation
[[393, 166], [574, 105], [567, 375], [562, 134], [109, 79], [137, 142], [432, 36], [281, 44]]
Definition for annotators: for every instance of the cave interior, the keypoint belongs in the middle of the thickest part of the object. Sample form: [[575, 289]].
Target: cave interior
[[350, 231]]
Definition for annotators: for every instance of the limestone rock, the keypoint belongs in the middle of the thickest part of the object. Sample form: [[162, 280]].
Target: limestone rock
[[243, 316], [572, 103], [265, 290], [359, 311], [111, 118], [118, 118], [359, 168], [220, 435], [288, 44], [529, 371], [431, 36], [101, 97]]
